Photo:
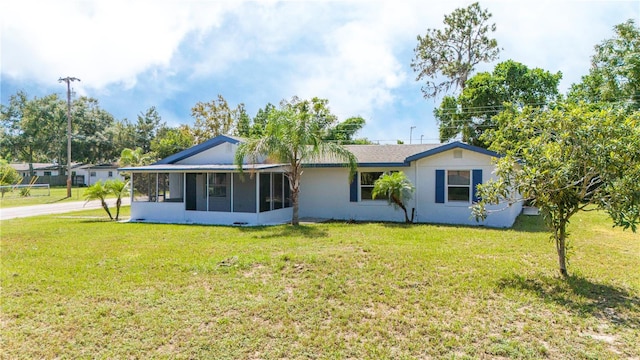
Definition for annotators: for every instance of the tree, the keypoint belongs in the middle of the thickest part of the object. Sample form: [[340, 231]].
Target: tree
[[564, 160], [472, 111], [397, 189], [344, 132], [8, 176], [169, 141], [93, 133], [243, 122], [131, 157], [214, 118], [615, 70], [455, 51], [147, 126], [98, 191], [260, 120], [292, 136], [118, 188]]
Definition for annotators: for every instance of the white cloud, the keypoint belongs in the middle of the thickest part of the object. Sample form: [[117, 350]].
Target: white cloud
[[102, 42]]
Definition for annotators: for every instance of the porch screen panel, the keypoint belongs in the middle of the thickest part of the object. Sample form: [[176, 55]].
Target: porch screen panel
[[244, 193], [163, 187], [144, 187], [265, 192], [219, 192], [278, 199], [287, 192]]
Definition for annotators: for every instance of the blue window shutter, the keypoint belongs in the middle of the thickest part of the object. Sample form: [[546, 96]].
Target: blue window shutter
[[477, 179], [440, 186], [353, 189]]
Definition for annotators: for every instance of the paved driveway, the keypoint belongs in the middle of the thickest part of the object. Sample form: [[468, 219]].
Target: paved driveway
[[46, 209]]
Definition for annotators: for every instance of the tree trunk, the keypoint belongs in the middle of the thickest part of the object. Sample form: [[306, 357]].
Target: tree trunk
[[561, 247], [118, 203], [295, 189], [401, 205], [106, 208]]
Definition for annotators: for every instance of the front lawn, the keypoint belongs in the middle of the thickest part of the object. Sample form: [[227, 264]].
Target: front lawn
[[41, 196], [80, 287]]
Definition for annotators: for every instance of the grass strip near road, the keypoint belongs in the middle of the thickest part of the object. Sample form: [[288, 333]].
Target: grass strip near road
[[83, 287], [57, 195]]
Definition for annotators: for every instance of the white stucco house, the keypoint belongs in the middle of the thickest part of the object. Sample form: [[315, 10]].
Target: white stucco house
[[202, 185]]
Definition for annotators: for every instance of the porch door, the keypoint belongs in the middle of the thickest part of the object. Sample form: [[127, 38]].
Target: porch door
[[191, 197]]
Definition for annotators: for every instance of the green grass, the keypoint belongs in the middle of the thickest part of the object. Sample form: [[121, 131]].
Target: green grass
[[80, 287], [57, 195]]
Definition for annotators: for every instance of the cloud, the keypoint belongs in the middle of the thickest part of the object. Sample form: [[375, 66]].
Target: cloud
[[101, 42]]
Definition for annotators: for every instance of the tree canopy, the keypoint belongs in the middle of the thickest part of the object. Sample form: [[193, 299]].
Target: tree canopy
[[615, 70], [397, 189], [471, 112], [566, 159], [454, 51], [293, 135]]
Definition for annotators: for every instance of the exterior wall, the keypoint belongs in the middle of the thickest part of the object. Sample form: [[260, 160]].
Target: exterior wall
[[101, 175], [221, 154], [455, 213], [325, 193]]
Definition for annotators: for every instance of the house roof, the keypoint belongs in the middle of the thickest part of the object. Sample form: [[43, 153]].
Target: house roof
[[366, 155], [195, 168], [396, 155], [42, 166]]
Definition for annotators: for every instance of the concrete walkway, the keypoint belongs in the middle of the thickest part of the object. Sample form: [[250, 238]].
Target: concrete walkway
[[46, 209]]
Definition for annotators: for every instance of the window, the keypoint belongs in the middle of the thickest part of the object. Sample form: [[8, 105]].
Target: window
[[144, 186], [265, 192], [47, 173], [110, 174], [93, 173], [163, 187], [366, 184], [459, 185], [277, 191]]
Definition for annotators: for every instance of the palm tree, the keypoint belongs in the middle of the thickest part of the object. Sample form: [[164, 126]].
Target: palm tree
[[292, 136], [117, 188], [131, 157], [397, 189], [98, 191]]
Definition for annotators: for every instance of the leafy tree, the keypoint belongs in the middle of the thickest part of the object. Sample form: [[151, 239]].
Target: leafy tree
[[131, 157], [93, 135], [243, 122], [564, 160], [124, 136], [214, 118], [292, 136], [8, 176], [454, 51], [397, 189], [260, 120], [147, 126], [345, 131], [118, 188], [615, 70], [172, 140], [98, 191], [472, 111]]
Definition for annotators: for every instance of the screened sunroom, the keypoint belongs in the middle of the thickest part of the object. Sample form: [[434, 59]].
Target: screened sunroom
[[210, 194]]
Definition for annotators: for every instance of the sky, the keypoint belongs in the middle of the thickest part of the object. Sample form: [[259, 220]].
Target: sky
[[131, 55]]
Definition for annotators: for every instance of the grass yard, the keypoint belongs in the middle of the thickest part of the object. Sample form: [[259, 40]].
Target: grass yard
[[79, 287], [57, 195]]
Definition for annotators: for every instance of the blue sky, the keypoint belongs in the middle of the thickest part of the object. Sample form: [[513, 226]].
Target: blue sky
[[170, 54]]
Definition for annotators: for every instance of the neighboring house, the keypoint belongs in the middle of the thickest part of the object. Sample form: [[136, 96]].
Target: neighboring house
[[202, 185], [56, 175], [102, 172]]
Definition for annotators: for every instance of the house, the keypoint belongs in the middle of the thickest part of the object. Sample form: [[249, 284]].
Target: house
[[90, 174], [56, 175], [202, 185]]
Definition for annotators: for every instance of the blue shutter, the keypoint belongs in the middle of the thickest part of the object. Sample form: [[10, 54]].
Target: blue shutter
[[440, 186], [353, 189], [477, 179]]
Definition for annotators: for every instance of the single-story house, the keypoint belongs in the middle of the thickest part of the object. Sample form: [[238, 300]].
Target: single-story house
[[56, 175], [202, 185], [93, 173]]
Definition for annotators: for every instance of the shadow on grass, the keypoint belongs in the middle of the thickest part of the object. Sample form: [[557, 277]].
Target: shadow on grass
[[529, 223], [582, 297], [270, 232]]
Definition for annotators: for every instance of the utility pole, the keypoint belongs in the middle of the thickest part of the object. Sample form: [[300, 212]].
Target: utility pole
[[421, 136], [411, 133], [68, 80]]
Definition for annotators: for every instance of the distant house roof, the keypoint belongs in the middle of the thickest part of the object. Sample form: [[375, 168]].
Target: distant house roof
[[42, 166], [209, 167]]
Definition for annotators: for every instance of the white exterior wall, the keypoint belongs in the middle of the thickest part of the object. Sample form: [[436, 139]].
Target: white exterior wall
[[325, 193], [221, 154], [455, 213], [101, 175]]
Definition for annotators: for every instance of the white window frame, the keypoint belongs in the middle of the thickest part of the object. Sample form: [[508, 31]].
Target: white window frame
[[360, 185], [469, 187]]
